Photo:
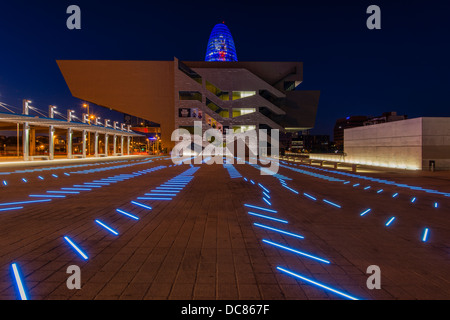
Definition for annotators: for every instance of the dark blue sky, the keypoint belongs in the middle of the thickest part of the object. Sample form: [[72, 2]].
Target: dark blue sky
[[403, 67]]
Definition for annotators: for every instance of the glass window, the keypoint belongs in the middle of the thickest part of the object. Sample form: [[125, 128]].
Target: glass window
[[190, 95], [243, 94], [237, 112]]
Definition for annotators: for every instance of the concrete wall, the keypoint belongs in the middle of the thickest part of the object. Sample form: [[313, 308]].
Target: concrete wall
[[436, 143], [393, 144]]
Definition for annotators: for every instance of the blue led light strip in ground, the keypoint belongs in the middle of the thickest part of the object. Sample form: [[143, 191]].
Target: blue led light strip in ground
[[332, 203], [395, 195], [413, 200], [390, 221], [80, 252], [64, 192], [316, 283], [294, 191], [279, 230], [19, 282], [267, 217], [260, 208], [425, 235], [24, 202], [154, 198], [107, 227], [164, 191], [141, 205], [380, 191], [365, 212], [309, 196], [264, 188], [77, 189], [436, 204], [266, 195], [267, 201], [45, 196], [9, 209], [296, 251], [127, 214], [160, 194]]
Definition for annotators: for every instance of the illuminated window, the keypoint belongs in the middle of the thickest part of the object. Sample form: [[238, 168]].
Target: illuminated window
[[243, 94], [216, 91], [224, 113], [240, 129], [237, 112]]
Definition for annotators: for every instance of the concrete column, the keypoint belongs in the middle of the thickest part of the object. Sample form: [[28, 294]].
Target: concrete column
[[96, 145], [51, 143], [115, 145], [32, 140], [26, 141], [128, 145], [106, 145], [69, 143], [121, 145], [84, 143]]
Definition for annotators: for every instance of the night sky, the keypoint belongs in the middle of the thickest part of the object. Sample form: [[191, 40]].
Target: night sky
[[403, 67]]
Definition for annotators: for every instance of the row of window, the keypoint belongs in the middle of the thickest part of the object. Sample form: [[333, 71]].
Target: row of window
[[224, 113], [225, 96]]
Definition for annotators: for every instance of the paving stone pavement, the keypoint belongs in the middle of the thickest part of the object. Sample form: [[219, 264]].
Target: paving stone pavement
[[204, 244]]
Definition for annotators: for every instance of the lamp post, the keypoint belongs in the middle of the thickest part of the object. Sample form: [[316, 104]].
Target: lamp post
[[86, 105]]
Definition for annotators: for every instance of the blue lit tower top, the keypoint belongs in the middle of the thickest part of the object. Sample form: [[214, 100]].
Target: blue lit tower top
[[220, 45]]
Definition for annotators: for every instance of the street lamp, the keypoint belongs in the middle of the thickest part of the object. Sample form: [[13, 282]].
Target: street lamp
[[86, 105]]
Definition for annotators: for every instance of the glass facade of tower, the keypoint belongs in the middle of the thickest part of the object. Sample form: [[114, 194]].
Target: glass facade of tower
[[221, 45]]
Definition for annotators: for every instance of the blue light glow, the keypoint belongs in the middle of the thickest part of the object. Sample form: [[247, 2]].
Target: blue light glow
[[24, 202], [19, 282], [264, 188], [294, 191], [332, 203], [127, 214], [153, 198], [267, 201], [267, 217], [296, 251], [141, 205], [390, 221], [9, 209], [425, 235], [413, 200], [365, 212], [46, 196], [260, 208], [40, 177], [24, 180], [436, 205], [77, 189], [64, 192], [221, 45], [161, 194], [279, 230], [107, 227], [266, 195], [316, 283], [164, 191], [83, 255], [310, 196], [5, 183], [367, 188], [395, 195], [380, 191]]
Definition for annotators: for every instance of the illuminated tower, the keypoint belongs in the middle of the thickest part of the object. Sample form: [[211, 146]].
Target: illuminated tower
[[221, 45]]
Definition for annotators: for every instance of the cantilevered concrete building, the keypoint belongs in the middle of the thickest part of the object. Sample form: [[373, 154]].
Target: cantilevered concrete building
[[223, 95]]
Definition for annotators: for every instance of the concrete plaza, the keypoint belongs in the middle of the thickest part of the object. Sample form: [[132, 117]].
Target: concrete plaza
[[206, 244]]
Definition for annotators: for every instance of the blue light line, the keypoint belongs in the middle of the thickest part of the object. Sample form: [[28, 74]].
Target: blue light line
[[24, 180], [332, 203], [395, 195], [127, 214], [107, 227], [436, 204], [266, 195], [413, 200], [40, 177], [367, 188], [296, 251], [294, 191], [355, 185], [55, 175], [390, 221], [45, 196], [260, 208], [169, 188], [309, 196], [380, 191], [141, 205], [253, 182], [5, 183], [267, 201], [365, 212], [153, 198], [24, 202], [77, 189], [279, 230], [425, 235], [264, 188], [9, 209], [83, 255], [267, 217], [316, 283], [161, 194], [164, 191], [19, 282], [64, 192]]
